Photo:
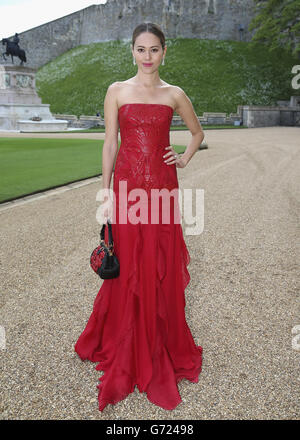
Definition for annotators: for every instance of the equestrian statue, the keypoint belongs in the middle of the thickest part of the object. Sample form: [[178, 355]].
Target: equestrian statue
[[13, 49]]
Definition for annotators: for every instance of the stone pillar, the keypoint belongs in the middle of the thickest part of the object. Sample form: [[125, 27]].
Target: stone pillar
[[19, 102], [17, 85]]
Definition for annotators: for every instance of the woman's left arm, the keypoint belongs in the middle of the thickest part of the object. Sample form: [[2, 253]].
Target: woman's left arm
[[184, 108]]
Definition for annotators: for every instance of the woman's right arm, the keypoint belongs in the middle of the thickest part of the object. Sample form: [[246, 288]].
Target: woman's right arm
[[110, 145]]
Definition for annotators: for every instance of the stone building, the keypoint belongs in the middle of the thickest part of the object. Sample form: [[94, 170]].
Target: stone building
[[208, 19]]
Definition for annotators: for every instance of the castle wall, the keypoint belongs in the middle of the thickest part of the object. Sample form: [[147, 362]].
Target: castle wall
[[209, 19]]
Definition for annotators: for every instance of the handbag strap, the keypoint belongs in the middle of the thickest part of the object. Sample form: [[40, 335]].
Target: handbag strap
[[110, 237]]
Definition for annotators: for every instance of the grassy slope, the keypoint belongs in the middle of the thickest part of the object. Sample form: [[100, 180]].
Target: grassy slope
[[216, 75]]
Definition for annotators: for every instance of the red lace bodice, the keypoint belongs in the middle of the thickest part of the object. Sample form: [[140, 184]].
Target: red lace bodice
[[144, 130]]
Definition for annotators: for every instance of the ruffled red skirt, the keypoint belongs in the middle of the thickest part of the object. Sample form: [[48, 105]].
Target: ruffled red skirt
[[137, 332]]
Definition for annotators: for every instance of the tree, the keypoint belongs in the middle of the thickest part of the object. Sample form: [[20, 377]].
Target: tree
[[277, 25]]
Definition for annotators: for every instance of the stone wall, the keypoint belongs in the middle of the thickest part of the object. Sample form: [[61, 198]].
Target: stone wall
[[210, 19]]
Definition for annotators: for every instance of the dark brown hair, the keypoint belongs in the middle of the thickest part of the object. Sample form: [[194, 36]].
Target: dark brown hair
[[149, 27]]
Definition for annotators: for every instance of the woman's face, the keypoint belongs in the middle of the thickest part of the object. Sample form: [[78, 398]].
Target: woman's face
[[148, 50]]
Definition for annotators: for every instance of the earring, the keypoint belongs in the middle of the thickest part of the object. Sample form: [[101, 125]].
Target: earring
[[134, 61], [163, 61]]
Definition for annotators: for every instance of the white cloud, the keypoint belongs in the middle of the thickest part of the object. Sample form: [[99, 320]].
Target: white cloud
[[21, 15]]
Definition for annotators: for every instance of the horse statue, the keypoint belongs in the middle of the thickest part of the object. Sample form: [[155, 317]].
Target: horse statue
[[13, 49]]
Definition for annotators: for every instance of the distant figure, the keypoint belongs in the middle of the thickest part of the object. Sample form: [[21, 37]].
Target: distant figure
[[16, 40], [97, 114], [241, 30]]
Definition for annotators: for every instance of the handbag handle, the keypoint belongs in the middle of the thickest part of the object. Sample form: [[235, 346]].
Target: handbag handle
[[110, 237]]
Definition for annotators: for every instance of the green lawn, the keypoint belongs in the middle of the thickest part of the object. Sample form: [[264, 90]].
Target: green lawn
[[29, 165]]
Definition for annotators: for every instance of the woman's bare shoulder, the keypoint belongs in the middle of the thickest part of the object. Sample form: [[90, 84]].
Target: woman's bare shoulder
[[173, 89], [120, 84], [119, 88], [115, 85], [175, 94]]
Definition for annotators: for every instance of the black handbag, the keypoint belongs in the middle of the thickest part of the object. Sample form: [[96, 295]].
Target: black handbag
[[103, 260]]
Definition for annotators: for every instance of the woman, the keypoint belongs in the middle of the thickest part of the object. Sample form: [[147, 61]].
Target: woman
[[137, 331]]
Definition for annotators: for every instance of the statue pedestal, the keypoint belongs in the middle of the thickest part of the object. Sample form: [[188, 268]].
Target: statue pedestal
[[19, 102]]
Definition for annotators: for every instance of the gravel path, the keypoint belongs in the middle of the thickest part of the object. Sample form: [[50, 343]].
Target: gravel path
[[241, 303]]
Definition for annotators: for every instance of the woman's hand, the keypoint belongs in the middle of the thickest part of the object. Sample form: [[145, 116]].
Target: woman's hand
[[107, 207], [172, 157], [108, 211]]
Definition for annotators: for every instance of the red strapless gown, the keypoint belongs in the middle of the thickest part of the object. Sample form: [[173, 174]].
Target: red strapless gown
[[137, 331]]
